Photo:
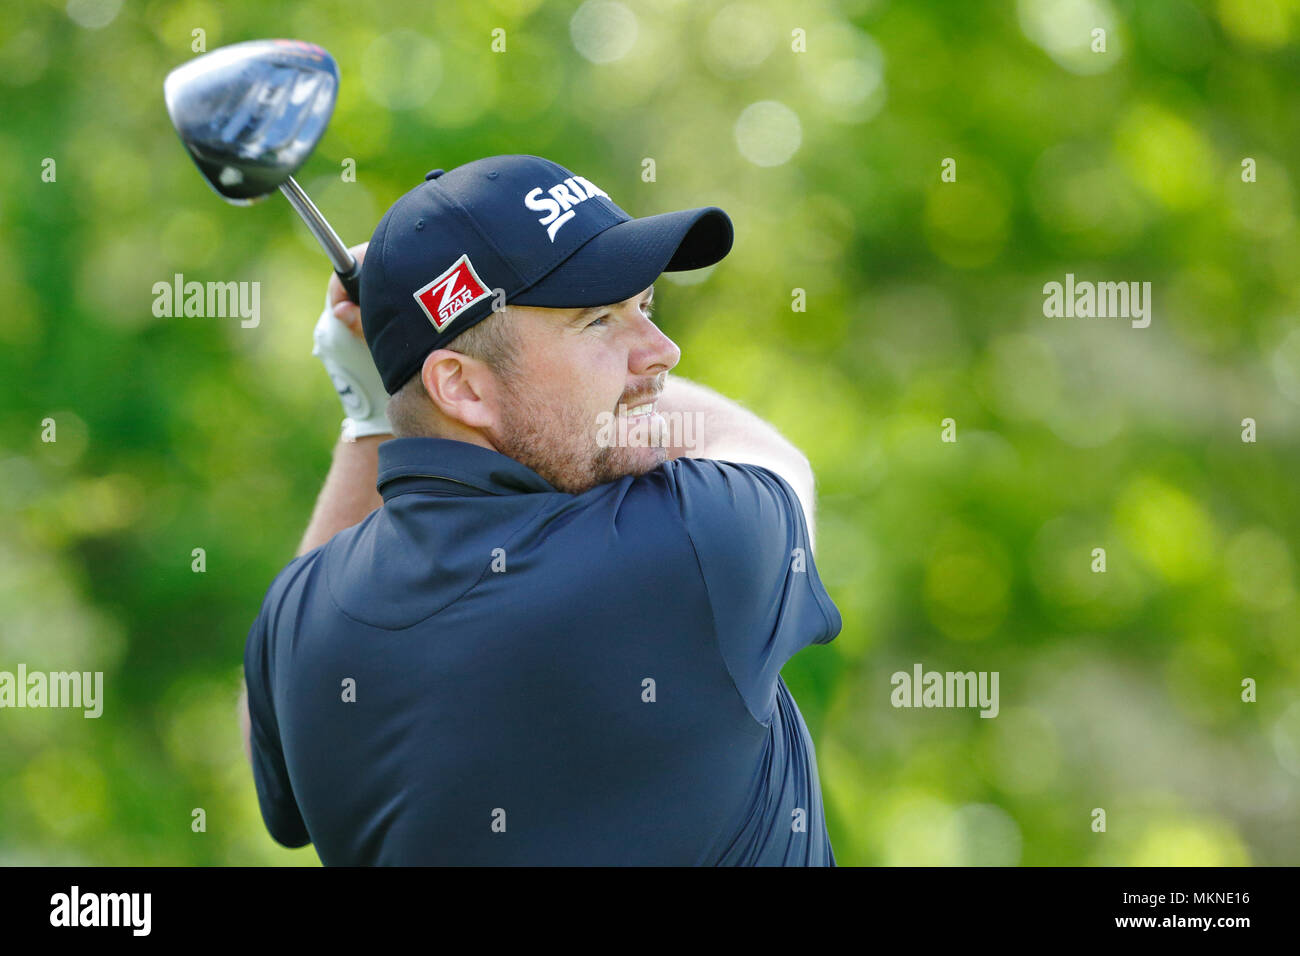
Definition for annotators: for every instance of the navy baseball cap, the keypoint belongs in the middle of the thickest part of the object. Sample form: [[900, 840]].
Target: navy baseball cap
[[518, 228]]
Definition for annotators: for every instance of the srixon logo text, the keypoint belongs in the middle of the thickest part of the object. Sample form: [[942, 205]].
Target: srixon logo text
[[562, 198]]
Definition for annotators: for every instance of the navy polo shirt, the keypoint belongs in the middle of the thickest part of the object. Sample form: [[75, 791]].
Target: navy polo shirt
[[488, 671]]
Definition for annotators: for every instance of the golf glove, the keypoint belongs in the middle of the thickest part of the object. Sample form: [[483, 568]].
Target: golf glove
[[355, 378]]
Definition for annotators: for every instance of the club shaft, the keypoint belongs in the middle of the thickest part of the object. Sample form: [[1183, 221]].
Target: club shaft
[[339, 256]]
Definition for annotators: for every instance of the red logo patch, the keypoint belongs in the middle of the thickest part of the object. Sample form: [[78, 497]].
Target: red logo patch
[[451, 293]]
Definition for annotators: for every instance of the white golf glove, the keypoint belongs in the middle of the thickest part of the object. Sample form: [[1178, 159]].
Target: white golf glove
[[355, 378]]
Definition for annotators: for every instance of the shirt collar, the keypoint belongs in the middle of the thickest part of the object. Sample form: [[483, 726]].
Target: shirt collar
[[454, 467]]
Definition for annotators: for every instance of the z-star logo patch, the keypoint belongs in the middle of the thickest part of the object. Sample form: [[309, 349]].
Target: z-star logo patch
[[451, 293]]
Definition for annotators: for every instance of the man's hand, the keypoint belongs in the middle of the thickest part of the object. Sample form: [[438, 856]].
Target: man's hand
[[340, 346], [349, 493], [344, 309]]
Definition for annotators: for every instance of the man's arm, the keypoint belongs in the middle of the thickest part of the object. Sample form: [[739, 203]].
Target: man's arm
[[730, 432], [349, 494], [346, 499]]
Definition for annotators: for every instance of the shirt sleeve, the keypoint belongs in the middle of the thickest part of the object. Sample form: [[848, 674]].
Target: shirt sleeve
[[750, 537], [275, 797]]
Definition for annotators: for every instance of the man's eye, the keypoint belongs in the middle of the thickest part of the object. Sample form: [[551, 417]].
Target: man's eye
[[648, 309], [600, 318]]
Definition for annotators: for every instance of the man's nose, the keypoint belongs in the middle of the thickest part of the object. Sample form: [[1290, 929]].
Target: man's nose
[[654, 352]]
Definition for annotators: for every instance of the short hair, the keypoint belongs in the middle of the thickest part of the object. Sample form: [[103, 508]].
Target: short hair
[[492, 341]]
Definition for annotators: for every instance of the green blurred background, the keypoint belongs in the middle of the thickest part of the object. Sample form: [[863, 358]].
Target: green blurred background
[[1119, 690]]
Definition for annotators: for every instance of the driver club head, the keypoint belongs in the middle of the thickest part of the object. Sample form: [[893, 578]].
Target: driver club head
[[251, 113]]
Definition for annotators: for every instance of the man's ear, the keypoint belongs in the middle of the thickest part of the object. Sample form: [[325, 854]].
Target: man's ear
[[461, 387]]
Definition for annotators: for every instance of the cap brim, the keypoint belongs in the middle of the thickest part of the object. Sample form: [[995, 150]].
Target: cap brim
[[627, 257]]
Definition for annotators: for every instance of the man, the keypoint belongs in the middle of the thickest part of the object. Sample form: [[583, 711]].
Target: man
[[555, 634]]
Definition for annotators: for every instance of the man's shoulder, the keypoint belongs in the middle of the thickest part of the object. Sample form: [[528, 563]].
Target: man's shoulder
[[674, 489], [741, 511], [289, 578], [705, 475], [715, 490], [286, 577]]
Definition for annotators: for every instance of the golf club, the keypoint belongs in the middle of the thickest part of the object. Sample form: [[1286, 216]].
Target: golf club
[[249, 115]]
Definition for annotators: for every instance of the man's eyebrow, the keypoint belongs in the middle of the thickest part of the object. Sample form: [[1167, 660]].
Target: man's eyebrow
[[593, 309], [585, 314]]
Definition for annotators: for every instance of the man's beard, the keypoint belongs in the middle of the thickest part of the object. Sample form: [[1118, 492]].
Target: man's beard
[[560, 445]]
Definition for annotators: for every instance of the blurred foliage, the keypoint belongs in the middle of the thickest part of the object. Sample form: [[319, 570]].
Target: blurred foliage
[[924, 302]]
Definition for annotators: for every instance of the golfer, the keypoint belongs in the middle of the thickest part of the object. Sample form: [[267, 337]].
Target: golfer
[[541, 608]]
